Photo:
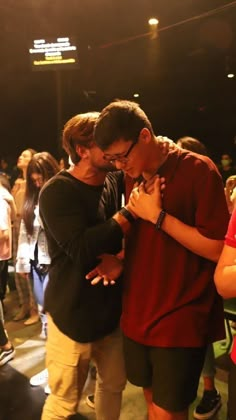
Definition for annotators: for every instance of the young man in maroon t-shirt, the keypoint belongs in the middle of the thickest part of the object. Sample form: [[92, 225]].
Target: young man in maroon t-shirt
[[171, 310]]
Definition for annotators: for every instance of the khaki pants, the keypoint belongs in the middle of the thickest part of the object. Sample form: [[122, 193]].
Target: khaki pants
[[68, 364]]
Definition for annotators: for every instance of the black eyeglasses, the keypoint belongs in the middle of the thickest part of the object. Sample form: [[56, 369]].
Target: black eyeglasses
[[122, 159]]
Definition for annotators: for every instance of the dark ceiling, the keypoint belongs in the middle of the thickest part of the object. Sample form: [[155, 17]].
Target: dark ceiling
[[180, 75]]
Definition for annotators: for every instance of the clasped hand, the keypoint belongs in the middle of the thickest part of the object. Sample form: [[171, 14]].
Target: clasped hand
[[145, 200], [108, 270]]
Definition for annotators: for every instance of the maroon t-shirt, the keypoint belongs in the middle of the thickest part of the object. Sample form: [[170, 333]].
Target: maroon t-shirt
[[170, 299]]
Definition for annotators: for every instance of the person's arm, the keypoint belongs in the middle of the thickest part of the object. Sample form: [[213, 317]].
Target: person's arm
[[149, 207], [4, 235], [192, 239], [10, 200], [225, 273], [67, 223], [233, 199], [4, 222]]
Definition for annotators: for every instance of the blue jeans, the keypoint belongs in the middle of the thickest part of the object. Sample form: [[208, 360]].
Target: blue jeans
[[40, 282]]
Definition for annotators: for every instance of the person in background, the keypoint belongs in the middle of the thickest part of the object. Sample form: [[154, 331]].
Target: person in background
[[192, 144], [32, 256], [7, 215], [171, 310], [225, 280], [211, 399], [5, 195], [226, 167], [23, 286]]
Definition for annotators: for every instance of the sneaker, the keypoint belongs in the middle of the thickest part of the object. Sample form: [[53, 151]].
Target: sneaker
[[6, 355], [90, 401], [47, 390], [40, 378], [208, 406]]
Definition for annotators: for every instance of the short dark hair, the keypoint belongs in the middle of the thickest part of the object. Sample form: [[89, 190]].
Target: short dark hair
[[120, 119]]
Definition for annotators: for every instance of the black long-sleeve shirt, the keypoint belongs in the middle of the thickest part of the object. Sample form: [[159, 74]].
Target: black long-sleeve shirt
[[79, 228]]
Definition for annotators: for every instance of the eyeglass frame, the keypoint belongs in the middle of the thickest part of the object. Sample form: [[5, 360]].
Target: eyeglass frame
[[124, 158]]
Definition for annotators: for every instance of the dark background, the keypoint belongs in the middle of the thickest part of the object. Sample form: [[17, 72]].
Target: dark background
[[181, 75]]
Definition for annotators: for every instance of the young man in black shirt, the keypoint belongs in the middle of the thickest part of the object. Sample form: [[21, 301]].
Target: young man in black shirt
[[76, 207]]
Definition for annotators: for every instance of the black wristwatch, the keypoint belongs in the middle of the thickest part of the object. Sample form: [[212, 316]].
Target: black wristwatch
[[126, 213]]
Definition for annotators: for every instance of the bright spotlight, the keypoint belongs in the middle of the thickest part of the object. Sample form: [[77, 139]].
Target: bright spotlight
[[136, 95], [230, 75], [153, 21]]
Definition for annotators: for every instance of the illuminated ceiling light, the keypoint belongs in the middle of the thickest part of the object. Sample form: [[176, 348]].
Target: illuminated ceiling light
[[136, 95], [153, 21], [230, 75]]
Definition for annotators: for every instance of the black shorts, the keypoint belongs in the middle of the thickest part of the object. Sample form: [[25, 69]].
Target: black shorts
[[172, 373]]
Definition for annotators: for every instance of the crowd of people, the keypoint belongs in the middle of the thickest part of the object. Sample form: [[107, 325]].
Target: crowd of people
[[123, 256]]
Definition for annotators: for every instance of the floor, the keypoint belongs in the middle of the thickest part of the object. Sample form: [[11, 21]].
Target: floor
[[19, 401]]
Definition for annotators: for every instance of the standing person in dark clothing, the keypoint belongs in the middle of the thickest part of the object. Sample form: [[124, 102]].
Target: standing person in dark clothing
[[171, 310], [76, 207]]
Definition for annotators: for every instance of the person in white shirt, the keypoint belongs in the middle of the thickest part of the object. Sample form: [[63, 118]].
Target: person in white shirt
[[7, 214]]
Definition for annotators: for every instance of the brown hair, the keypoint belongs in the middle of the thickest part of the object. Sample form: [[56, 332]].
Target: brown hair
[[78, 131], [46, 165], [192, 144]]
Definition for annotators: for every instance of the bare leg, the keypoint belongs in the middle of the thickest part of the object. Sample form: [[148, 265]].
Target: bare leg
[[157, 413]]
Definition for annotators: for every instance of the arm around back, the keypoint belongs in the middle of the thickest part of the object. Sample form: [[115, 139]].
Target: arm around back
[[69, 222]]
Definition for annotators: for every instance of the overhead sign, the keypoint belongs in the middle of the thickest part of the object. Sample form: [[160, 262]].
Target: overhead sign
[[54, 54]]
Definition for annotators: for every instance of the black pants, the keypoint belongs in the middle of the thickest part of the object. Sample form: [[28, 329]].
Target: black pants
[[3, 337], [3, 278]]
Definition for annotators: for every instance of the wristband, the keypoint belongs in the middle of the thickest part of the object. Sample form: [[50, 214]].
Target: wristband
[[126, 213], [160, 220]]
